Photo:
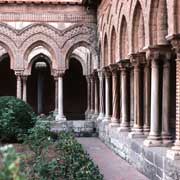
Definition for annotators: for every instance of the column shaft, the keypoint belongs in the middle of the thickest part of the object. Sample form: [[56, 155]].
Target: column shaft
[[56, 95], [92, 94], [101, 95], [96, 100], [24, 88], [166, 104], [107, 96], [19, 87], [154, 138], [60, 116], [125, 119], [115, 98], [147, 97]]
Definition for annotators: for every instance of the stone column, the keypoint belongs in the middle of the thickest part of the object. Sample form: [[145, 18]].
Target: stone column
[[101, 95], [147, 96], [60, 116], [154, 138], [96, 95], [125, 113], [24, 79], [107, 95], [115, 96], [40, 88], [174, 153], [56, 95], [88, 96], [92, 94], [18, 85], [137, 130], [166, 137]]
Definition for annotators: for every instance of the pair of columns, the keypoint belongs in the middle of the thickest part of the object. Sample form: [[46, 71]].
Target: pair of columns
[[106, 74], [21, 86]]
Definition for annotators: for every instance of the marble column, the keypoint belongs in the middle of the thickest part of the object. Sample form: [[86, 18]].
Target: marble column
[[107, 95], [115, 96], [125, 113], [166, 136], [56, 95], [40, 89], [147, 96], [88, 96], [101, 95], [174, 152], [137, 129], [19, 86], [96, 95], [24, 79], [60, 116], [92, 94], [154, 138]]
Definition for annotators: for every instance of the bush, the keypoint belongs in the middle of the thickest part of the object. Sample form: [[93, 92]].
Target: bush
[[75, 163], [16, 117], [12, 164]]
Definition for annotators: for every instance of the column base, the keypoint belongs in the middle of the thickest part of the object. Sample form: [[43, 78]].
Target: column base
[[106, 119], [167, 140], [100, 117], [153, 141], [114, 122], [133, 135], [146, 130], [173, 154], [124, 127], [60, 118]]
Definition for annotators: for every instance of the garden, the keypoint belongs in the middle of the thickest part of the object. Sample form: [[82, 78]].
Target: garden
[[30, 151]]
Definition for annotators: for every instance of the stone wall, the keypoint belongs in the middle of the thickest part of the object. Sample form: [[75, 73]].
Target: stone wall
[[152, 162]]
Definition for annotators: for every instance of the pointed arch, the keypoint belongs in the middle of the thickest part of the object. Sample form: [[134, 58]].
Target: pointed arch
[[113, 46], [158, 22], [124, 45], [138, 33]]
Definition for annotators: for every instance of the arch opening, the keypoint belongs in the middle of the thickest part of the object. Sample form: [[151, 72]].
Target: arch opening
[[75, 91], [41, 86], [7, 77]]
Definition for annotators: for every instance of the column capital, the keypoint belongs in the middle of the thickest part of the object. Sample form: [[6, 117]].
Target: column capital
[[58, 74], [159, 52], [24, 77], [100, 73], [137, 59], [114, 68], [124, 64], [107, 72], [18, 72]]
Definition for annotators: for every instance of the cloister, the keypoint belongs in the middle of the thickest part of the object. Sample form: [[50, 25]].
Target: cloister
[[115, 63]]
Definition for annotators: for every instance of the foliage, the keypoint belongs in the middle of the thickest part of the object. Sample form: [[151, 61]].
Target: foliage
[[75, 163], [12, 164], [38, 137], [16, 117]]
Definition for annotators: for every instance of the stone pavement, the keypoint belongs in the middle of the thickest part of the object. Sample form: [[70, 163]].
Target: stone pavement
[[110, 164]]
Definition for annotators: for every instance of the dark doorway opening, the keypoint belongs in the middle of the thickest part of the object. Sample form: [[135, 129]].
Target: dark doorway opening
[[7, 78], [41, 87], [75, 91]]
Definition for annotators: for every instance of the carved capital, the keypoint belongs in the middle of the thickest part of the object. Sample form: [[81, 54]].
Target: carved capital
[[100, 73], [114, 68], [107, 72], [176, 47], [137, 59], [18, 73], [124, 64]]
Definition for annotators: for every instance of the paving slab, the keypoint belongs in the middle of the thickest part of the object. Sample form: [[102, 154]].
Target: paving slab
[[111, 165]]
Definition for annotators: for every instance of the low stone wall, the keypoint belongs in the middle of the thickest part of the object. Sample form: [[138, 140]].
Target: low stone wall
[[80, 128], [152, 162]]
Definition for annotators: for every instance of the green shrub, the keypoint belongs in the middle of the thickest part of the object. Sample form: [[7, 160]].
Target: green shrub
[[16, 117], [12, 164], [75, 164]]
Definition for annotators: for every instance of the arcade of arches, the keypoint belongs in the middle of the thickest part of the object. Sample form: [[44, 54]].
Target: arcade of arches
[[115, 63]]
